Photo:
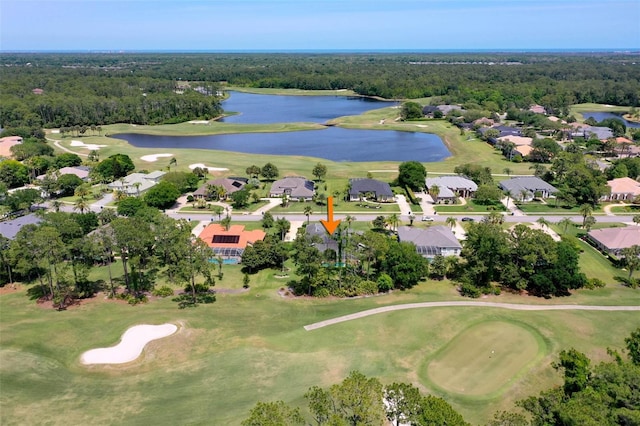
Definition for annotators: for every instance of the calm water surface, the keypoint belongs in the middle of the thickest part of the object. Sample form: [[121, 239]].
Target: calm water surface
[[599, 116], [265, 109], [332, 143]]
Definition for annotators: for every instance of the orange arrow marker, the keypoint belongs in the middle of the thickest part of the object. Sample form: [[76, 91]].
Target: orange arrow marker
[[330, 225]]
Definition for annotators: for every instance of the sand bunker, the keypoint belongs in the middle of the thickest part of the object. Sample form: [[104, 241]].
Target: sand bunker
[[89, 146], [199, 122], [211, 169], [131, 345], [154, 157]]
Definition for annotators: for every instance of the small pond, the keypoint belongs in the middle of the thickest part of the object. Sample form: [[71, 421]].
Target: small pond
[[599, 116]]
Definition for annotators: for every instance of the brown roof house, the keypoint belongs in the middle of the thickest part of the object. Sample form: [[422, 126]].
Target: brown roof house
[[613, 240], [297, 188], [622, 189], [230, 185]]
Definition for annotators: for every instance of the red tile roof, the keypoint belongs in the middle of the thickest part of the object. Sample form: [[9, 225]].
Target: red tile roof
[[242, 237]]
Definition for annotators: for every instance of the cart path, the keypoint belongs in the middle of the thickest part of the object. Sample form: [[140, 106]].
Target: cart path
[[512, 306]]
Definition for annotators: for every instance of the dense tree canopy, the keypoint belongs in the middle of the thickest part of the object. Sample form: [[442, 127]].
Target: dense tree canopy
[[412, 174]]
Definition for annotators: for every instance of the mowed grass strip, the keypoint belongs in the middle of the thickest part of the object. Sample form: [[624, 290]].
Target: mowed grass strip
[[483, 359]]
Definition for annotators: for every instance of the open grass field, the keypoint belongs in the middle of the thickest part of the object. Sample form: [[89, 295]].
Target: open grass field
[[252, 346], [482, 360]]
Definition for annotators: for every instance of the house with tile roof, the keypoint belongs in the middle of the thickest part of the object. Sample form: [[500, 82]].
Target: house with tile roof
[[81, 171], [613, 240], [373, 189], [229, 243], [136, 183], [432, 241], [296, 188], [622, 189]]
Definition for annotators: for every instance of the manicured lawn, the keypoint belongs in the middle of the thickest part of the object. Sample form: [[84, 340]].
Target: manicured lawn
[[633, 209], [252, 346], [339, 207], [482, 360]]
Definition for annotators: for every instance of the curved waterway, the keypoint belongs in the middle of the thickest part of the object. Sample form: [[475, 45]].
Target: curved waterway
[[332, 143]]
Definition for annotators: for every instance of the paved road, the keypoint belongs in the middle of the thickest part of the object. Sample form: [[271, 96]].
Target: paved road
[[512, 306]]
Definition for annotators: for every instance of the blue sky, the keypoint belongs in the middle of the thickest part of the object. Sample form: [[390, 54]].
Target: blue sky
[[238, 25]]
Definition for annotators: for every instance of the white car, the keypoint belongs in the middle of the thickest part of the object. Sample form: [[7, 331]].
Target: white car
[[427, 219]]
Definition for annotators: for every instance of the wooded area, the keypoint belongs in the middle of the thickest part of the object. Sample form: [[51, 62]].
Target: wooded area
[[96, 89]]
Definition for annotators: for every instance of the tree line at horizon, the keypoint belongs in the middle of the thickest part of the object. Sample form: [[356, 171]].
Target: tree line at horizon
[[98, 89]]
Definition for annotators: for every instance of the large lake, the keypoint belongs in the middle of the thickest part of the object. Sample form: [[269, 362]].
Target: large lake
[[332, 143], [599, 116]]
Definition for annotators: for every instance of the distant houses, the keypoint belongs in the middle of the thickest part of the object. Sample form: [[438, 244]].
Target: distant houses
[[432, 241], [296, 188], [136, 183], [371, 189], [526, 188]]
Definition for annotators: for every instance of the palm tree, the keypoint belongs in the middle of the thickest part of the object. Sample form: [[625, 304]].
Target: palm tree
[[585, 210], [636, 219], [307, 212], [173, 162], [349, 219], [523, 194], [137, 185], [56, 204], [119, 195], [451, 221], [544, 223], [507, 171], [507, 194], [434, 191], [565, 224], [589, 222], [81, 204], [392, 221], [218, 210], [220, 262], [226, 223]]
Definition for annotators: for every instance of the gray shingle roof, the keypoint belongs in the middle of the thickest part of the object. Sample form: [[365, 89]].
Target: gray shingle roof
[[435, 236], [10, 228], [295, 186], [530, 184], [452, 182], [364, 185]]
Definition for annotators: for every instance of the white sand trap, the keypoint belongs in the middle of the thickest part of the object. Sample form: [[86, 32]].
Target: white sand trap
[[421, 125], [199, 122], [55, 131], [131, 345], [211, 169], [154, 157], [89, 146]]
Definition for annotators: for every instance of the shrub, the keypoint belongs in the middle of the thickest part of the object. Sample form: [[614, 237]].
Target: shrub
[[163, 291], [469, 290]]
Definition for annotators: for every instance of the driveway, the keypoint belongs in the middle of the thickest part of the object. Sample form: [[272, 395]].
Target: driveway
[[405, 208]]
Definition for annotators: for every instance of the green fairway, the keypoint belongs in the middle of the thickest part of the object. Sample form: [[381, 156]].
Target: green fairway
[[483, 359], [252, 346]]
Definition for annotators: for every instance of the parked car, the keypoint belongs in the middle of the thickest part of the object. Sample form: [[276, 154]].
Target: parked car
[[427, 219], [467, 219]]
